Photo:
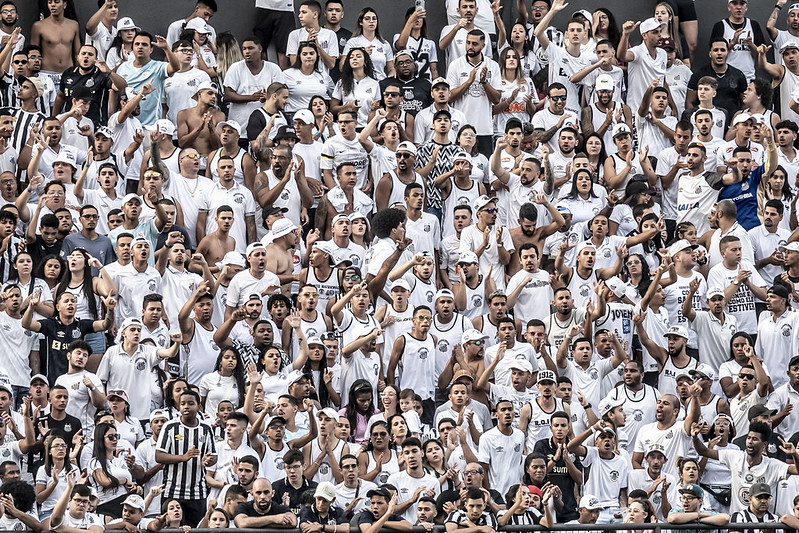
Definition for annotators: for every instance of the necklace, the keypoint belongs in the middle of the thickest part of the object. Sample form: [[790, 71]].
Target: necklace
[[192, 192]]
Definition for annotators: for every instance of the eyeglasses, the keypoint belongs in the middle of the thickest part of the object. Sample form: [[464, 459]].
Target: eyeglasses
[[425, 318], [403, 62], [471, 472], [8, 12], [112, 437], [558, 98], [404, 155], [59, 446], [468, 134], [746, 376], [634, 262], [490, 210], [354, 277], [185, 50], [90, 217], [604, 91], [152, 174], [379, 434], [310, 294], [81, 501], [191, 156]]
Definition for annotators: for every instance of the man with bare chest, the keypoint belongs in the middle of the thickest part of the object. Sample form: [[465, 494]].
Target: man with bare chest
[[197, 125], [280, 252], [59, 39], [527, 232], [216, 244]]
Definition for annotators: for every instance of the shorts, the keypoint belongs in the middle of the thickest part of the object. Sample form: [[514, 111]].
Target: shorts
[[54, 76], [271, 25], [684, 9]]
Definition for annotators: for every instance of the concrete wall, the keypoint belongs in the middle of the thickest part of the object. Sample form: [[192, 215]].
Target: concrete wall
[[237, 15]]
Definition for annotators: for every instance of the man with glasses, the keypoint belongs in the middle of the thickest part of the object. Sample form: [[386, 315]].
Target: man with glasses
[[414, 88], [345, 147], [554, 117], [691, 509], [492, 245], [98, 246], [413, 357], [71, 509], [190, 189], [8, 22]]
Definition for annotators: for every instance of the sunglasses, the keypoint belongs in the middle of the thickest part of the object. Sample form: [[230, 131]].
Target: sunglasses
[[192, 156], [425, 318], [558, 98], [112, 437], [490, 210], [354, 277], [391, 93], [746, 376], [478, 343], [404, 155]]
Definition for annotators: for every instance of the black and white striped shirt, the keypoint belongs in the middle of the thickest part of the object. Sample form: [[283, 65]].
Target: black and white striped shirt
[[459, 516], [747, 516], [186, 480], [25, 120]]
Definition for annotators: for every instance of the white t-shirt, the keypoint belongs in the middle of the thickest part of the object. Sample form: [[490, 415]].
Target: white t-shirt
[[768, 471], [742, 303], [503, 455], [533, 300], [381, 53], [608, 476], [475, 103], [244, 82], [407, 485], [642, 70]]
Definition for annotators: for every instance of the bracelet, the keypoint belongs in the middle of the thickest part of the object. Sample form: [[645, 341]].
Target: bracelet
[[777, 6], [587, 406]]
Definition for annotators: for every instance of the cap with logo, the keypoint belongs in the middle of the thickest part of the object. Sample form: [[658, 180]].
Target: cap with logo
[[788, 46], [616, 286], [546, 375], [760, 489], [621, 129], [472, 335], [105, 131], [590, 502], [286, 132], [609, 404], [162, 125], [199, 25], [205, 86], [65, 156], [667, 44], [294, 376], [604, 82], [440, 81], [304, 115], [469, 258], [702, 370], [713, 292], [118, 393], [650, 24], [235, 126], [656, 447], [760, 410], [676, 331], [481, 201], [693, 489], [126, 23], [679, 246], [135, 501]]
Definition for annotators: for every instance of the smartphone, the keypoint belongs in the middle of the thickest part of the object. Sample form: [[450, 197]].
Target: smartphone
[[419, 5]]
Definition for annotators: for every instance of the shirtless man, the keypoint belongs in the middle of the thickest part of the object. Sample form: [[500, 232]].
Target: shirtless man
[[197, 125], [59, 39], [280, 252], [527, 230], [216, 244]]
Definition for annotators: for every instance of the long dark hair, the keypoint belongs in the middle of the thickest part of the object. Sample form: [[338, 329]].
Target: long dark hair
[[461, 132], [168, 402], [87, 289], [613, 28], [422, 30], [573, 192], [238, 372], [99, 451], [322, 394], [347, 78], [359, 25], [45, 259], [48, 454], [656, 243], [643, 285], [13, 274], [359, 386], [298, 60]]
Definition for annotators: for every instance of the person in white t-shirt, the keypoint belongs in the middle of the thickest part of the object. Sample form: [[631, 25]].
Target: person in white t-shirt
[[86, 390], [646, 61], [412, 482], [71, 510], [500, 451]]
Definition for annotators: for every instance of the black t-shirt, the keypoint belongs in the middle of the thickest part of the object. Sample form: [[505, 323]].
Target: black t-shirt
[[731, 85], [342, 36], [415, 93], [97, 82], [248, 509], [366, 517], [334, 517], [282, 487], [560, 477], [57, 337], [67, 427], [40, 249]]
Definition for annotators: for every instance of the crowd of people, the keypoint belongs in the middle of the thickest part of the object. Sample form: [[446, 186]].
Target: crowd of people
[[480, 275]]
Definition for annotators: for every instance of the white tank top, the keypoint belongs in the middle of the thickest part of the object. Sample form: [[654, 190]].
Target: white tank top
[[787, 85], [582, 289], [423, 293], [316, 327], [398, 187], [489, 329], [457, 196], [171, 162], [475, 299], [448, 335], [324, 473], [238, 174], [740, 56], [82, 303], [598, 119], [402, 324], [419, 366], [538, 428], [667, 380], [328, 289], [619, 164], [389, 467], [198, 356]]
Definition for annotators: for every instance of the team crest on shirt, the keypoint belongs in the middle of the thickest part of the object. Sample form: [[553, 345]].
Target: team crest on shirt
[[443, 346], [638, 415], [151, 285], [462, 200], [89, 82], [409, 94], [670, 434], [606, 253], [6, 452], [517, 448], [427, 228], [423, 353], [614, 475], [324, 469], [238, 198], [786, 330], [429, 295], [771, 448], [76, 333], [67, 427], [6, 327], [593, 373], [140, 365], [477, 300]]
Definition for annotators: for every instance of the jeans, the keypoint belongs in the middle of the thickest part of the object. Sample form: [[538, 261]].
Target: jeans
[[606, 516]]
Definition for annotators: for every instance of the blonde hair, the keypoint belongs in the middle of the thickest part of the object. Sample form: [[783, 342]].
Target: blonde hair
[[673, 33]]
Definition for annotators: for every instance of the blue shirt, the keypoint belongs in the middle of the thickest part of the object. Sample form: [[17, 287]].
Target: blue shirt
[[137, 77], [744, 194]]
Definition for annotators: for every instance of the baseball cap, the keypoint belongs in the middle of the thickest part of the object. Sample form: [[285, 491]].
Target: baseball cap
[[282, 227], [440, 81], [118, 393], [713, 292], [590, 502], [379, 491], [135, 501], [563, 209], [273, 210], [583, 245], [793, 7], [637, 187], [403, 52], [521, 364], [462, 156], [37, 377], [472, 335], [481, 201], [616, 286], [656, 447], [650, 24], [444, 293], [162, 125], [105, 131], [325, 490], [401, 284], [126, 23], [609, 404], [779, 290], [205, 86], [679, 246], [328, 411], [760, 489], [158, 413], [462, 374], [693, 489], [128, 322], [276, 420], [759, 410], [546, 375], [468, 258], [790, 247], [604, 430], [199, 25], [232, 258], [252, 247], [604, 82], [512, 122], [232, 124], [743, 117], [621, 129], [442, 112], [667, 44], [787, 46], [678, 331], [407, 146], [286, 132], [5, 383], [294, 376], [703, 371], [304, 115]]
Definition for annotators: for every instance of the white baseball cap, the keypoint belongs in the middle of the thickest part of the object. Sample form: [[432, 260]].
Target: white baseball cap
[[304, 115], [650, 24], [162, 125]]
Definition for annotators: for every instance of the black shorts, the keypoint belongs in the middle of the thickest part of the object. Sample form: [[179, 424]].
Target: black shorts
[[684, 9], [274, 26]]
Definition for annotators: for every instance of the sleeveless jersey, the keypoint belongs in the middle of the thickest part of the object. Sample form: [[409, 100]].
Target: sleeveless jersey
[[198, 356], [314, 328], [389, 467], [324, 473], [328, 289], [475, 299], [667, 381], [418, 364], [457, 196], [238, 174]]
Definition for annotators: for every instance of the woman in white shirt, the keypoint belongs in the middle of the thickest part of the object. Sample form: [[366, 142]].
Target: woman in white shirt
[[128, 427], [109, 470], [367, 36], [518, 97], [581, 200], [414, 39], [304, 79], [357, 88], [226, 382], [51, 478]]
